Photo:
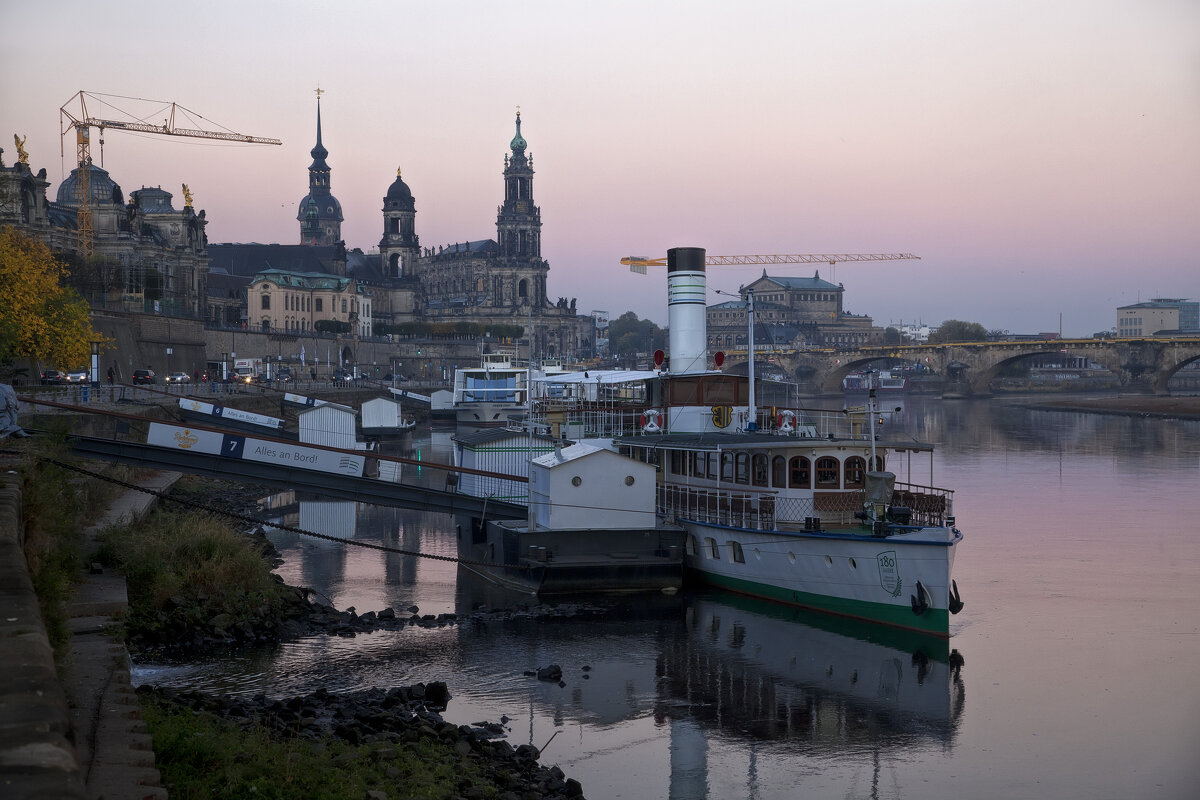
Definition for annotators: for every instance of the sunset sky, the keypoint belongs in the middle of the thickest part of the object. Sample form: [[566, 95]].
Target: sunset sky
[[1042, 157]]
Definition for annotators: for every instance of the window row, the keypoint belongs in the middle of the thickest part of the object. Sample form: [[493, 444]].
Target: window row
[[295, 303], [778, 472]]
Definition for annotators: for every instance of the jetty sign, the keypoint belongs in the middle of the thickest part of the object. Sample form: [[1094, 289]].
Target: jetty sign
[[224, 412], [247, 448]]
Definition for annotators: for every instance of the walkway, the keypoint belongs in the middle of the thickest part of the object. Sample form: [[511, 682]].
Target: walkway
[[81, 736]]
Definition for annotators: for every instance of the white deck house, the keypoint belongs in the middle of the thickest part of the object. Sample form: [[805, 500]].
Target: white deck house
[[592, 488], [382, 415], [330, 425]]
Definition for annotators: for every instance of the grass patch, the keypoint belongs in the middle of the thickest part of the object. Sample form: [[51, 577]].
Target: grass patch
[[194, 566], [202, 756]]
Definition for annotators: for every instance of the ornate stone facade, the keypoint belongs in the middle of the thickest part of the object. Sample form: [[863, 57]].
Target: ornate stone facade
[[501, 280], [147, 256], [790, 313]]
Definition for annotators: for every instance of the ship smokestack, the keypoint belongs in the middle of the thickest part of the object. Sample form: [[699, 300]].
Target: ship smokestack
[[686, 309]]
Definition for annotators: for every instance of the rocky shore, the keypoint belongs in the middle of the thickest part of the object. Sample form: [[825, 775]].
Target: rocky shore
[[390, 722]]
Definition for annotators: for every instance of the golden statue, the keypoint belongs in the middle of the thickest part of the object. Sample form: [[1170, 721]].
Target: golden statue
[[22, 156], [187, 197]]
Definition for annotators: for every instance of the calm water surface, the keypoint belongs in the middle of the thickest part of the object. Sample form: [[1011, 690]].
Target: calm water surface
[[1072, 671]]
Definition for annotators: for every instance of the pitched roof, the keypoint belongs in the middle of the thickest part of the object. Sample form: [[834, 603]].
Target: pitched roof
[[249, 259]]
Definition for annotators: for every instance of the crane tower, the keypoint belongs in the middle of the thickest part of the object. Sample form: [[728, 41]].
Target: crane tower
[[82, 122]]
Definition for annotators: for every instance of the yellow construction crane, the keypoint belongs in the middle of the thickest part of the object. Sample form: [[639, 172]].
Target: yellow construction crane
[[82, 122], [638, 264]]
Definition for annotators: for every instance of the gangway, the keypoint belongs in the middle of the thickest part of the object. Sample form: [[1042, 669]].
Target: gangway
[[332, 472]]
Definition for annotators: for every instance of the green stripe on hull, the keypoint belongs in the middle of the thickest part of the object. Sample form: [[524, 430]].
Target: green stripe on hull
[[935, 621]]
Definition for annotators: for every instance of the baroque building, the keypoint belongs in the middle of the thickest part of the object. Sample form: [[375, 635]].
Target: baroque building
[[790, 313], [487, 281], [280, 300], [147, 256]]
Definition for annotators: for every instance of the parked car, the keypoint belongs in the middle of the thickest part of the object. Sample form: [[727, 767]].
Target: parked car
[[53, 377], [284, 375], [143, 376], [77, 376], [176, 377]]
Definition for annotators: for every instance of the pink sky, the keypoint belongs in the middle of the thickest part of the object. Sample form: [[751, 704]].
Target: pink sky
[[1041, 158]]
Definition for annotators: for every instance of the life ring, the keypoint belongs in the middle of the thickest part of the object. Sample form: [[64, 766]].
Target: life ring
[[784, 421], [650, 421]]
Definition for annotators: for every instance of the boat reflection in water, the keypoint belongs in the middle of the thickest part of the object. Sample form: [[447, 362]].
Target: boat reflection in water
[[724, 677], [818, 686], [776, 672]]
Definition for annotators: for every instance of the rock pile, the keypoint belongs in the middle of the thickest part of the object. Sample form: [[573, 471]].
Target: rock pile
[[392, 718]]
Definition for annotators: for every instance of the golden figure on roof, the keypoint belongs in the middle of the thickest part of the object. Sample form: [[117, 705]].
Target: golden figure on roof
[[187, 196], [22, 156]]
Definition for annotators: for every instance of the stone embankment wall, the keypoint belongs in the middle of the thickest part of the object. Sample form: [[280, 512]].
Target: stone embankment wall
[[37, 751]]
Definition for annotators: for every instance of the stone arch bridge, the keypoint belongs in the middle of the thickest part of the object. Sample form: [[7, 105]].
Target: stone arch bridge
[[1141, 365]]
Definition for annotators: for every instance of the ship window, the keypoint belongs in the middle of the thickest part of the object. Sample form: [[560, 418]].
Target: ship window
[[758, 472], [855, 468], [685, 391], [720, 392], [698, 465], [743, 468], [827, 471], [713, 550], [801, 473], [712, 466], [726, 466], [779, 472], [690, 545], [677, 462], [879, 463], [735, 552]]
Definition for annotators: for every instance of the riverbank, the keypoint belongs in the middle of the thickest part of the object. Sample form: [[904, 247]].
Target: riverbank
[[1175, 407]]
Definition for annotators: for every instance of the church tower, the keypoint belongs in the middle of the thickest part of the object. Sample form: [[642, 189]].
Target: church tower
[[519, 224], [319, 214], [400, 246]]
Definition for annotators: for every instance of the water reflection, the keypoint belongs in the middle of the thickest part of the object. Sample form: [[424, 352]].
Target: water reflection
[[715, 676], [715, 696]]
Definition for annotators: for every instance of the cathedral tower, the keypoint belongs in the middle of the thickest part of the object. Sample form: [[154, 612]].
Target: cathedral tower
[[400, 246], [320, 214], [519, 223], [519, 227]]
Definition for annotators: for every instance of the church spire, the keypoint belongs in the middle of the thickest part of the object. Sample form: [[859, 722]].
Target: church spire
[[518, 143], [320, 214], [319, 152]]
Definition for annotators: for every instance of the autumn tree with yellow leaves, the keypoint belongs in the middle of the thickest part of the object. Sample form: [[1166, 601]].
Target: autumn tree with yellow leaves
[[41, 318]]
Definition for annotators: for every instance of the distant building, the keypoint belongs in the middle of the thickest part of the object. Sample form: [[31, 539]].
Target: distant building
[[1159, 316], [281, 300], [485, 281], [789, 312], [147, 256], [917, 332]]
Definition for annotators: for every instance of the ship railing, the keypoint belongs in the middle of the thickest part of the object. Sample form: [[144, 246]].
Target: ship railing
[[738, 509], [589, 418], [929, 505]]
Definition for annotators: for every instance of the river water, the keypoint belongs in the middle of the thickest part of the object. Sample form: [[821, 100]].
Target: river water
[[1071, 673]]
